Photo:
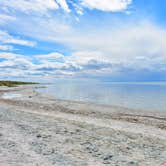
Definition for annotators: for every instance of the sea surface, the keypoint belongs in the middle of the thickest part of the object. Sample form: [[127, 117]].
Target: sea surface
[[145, 96]]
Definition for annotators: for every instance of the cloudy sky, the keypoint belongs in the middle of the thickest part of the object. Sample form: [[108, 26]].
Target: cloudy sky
[[118, 40]]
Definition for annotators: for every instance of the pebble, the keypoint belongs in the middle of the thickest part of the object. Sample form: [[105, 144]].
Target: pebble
[[106, 162], [38, 136], [48, 151], [43, 136], [92, 149], [132, 163], [108, 157]]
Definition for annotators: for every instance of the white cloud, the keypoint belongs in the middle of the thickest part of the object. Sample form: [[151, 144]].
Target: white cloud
[[63, 5], [6, 47], [4, 18], [30, 5], [15, 65], [8, 39], [82, 58], [95, 49], [134, 47], [42, 7], [125, 45], [107, 5], [53, 56], [78, 8], [37, 6], [7, 55]]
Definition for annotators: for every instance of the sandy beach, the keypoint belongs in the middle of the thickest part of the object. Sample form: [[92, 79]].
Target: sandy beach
[[39, 130]]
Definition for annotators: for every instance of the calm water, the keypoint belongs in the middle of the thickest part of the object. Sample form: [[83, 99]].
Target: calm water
[[149, 96]]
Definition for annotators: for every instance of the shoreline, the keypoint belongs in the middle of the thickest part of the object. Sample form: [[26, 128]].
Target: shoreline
[[98, 131]]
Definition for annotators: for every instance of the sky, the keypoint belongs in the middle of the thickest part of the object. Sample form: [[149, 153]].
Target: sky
[[114, 40]]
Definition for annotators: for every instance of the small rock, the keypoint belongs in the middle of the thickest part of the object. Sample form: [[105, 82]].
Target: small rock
[[106, 162], [97, 154], [108, 157], [39, 136], [48, 151], [78, 130], [92, 149], [132, 163], [43, 136], [9, 144]]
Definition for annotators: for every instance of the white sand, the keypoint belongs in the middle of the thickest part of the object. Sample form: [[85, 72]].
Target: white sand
[[36, 129]]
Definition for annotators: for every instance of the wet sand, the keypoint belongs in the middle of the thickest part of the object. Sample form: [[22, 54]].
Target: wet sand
[[39, 130]]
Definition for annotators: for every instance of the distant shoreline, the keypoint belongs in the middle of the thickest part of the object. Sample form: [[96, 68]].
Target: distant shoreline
[[14, 83]]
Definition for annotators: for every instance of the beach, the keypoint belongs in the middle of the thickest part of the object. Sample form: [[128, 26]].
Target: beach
[[36, 129]]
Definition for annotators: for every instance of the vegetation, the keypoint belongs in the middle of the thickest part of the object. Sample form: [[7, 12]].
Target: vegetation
[[14, 83]]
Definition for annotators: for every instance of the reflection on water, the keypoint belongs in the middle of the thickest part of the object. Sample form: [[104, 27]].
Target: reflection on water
[[149, 96]]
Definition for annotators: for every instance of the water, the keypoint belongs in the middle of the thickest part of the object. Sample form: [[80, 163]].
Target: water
[[145, 96]]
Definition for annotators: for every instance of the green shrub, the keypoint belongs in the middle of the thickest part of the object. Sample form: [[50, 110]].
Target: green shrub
[[14, 83]]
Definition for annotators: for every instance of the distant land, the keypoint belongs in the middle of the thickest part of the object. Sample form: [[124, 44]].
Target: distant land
[[14, 83]]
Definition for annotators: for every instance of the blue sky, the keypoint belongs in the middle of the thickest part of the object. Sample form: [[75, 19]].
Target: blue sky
[[116, 40]]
